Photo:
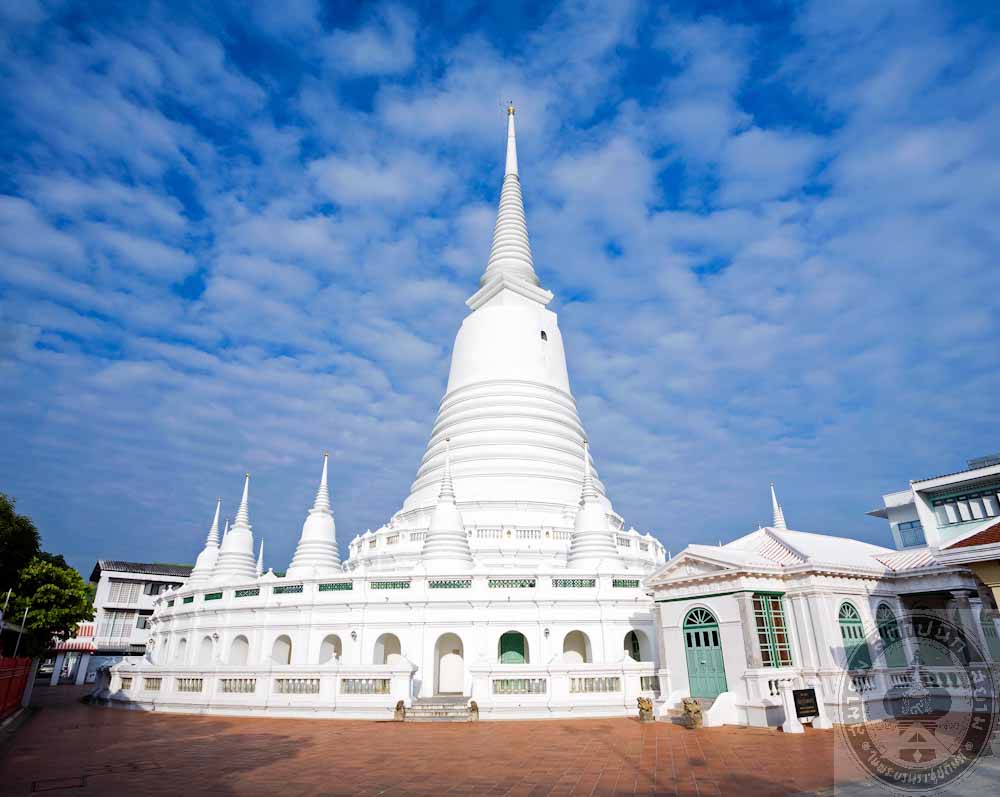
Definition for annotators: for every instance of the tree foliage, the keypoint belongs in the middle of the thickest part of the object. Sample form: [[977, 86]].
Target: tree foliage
[[57, 599], [19, 543]]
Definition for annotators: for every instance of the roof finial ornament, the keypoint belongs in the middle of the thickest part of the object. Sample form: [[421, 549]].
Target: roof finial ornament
[[510, 107], [779, 514]]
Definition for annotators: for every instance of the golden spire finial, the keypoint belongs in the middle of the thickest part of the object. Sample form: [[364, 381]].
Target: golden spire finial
[[510, 108]]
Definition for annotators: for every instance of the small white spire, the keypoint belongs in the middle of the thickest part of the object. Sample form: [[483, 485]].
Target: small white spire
[[316, 554], [447, 485], [236, 561], [224, 533], [511, 166], [322, 502], [213, 532], [779, 514], [446, 544], [589, 492], [260, 560]]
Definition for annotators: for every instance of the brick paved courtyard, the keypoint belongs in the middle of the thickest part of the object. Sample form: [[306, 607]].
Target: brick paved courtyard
[[70, 748]]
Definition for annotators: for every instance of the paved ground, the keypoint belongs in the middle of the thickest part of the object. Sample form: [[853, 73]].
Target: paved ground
[[73, 749]]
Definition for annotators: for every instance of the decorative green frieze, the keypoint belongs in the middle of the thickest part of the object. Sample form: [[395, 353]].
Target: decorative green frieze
[[512, 583], [337, 586], [574, 583], [287, 589], [390, 585], [213, 596], [253, 592], [458, 583], [189, 599], [625, 583]]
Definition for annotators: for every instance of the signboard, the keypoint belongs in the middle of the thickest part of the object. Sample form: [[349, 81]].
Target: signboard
[[805, 703]]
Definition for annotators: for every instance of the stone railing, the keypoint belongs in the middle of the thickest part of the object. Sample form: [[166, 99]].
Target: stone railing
[[561, 689], [352, 692]]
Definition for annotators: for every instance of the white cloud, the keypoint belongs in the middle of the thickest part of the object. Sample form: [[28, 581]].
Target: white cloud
[[385, 45]]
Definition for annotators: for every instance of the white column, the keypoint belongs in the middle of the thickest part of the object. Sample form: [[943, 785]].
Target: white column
[[81, 669], [60, 658], [750, 647], [808, 653], [792, 724], [822, 617]]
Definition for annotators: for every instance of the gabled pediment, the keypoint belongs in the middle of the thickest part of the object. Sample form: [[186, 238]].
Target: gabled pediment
[[687, 564]]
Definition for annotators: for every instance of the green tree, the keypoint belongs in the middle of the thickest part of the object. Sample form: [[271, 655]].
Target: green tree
[[57, 598], [19, 543]]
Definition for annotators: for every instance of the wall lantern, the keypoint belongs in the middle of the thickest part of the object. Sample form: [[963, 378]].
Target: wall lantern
[[546, 633], [354, 636]]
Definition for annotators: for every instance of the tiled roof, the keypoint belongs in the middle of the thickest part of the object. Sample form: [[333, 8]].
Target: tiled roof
[[987, 536], [901, 561], [152, 569]]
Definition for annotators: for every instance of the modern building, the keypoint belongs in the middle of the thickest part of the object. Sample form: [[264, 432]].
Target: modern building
[[956, 515], [507, 579], [123, 607]]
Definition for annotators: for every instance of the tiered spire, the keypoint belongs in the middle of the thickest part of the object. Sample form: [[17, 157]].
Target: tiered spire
[[510, 255], [779, 514], [316, 554], [593, 539], [209, 555], [260, 560], [446, 546], [236, 559]]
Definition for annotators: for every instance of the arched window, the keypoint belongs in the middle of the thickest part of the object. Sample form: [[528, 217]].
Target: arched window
[[205, 651], [281, 650], [387, 650], [852, 633], [239, 651], [330, 650], [181, 651], [576, 648], [513, 648], [544, 336], [888, 631]]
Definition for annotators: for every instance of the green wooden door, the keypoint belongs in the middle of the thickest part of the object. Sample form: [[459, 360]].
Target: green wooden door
[[852, 633], [706, 669], [512, 648]]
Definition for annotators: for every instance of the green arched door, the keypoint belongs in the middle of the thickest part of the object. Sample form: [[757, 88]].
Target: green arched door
[[706, 669], [512, 648]]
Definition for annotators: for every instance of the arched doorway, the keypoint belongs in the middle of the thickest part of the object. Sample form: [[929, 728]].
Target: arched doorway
[[576, 648], [450, 675], [513, 648], [387, 650], [637, 646], [330, 649], [239, 651], [281, 651], [706, 668]]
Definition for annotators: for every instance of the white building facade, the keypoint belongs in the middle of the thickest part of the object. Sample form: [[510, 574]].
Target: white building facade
[[507, 579]]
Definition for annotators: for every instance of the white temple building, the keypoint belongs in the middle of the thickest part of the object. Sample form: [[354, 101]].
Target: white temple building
[[507, 579]]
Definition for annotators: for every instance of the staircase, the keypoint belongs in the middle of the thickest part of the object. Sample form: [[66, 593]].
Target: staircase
[[441, 708]]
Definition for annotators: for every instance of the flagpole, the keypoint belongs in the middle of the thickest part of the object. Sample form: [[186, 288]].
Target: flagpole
[[23, 621]]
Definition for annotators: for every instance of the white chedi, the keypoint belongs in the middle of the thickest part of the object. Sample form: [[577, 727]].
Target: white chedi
[[205, 563], [316, 553], [593, 539], [236, 560], [446, 546]]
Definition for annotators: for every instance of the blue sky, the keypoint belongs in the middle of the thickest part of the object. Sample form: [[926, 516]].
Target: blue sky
[[234, 236]]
